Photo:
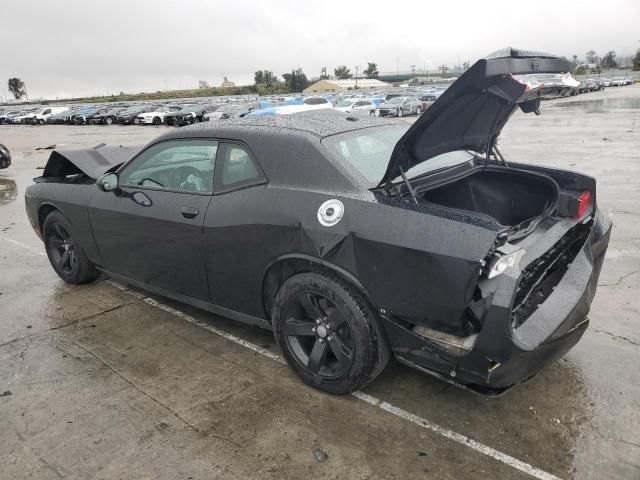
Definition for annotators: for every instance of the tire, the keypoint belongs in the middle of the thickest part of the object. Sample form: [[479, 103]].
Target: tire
[[157, 121], [41, 121], [65, 255], [418, 110], [400, 113], [306, 311], [108, 120]]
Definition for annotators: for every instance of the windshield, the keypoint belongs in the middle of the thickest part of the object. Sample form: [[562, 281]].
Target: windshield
[[396, 100], [344, 103], [368, 151]]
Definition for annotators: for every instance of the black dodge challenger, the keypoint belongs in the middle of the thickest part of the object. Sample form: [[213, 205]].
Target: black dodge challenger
[[352, 238]]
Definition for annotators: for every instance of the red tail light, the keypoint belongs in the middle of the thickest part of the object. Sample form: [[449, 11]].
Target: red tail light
[[584, 199]]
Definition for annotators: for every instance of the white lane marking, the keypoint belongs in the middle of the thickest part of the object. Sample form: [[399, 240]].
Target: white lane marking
[[456, 437], [23, 245], [365, 397]]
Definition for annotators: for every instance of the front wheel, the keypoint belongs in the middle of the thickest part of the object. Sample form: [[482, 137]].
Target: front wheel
[[157, 121], [330, 336], [108, 120], [400, 112], [65, 255], [418, 110]]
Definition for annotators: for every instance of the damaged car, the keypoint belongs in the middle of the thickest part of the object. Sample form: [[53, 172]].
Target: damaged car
[[353, 238]]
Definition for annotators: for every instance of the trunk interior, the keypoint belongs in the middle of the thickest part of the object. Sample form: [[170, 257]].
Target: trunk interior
[[510, 196]]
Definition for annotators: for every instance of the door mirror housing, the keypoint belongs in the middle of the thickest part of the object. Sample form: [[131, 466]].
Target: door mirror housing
[[108, 182]]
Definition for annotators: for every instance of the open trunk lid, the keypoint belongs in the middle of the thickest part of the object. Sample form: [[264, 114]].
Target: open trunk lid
[[471, 113]]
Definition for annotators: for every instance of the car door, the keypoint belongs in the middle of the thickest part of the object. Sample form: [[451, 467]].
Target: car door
[[150, 228], [235, 226]]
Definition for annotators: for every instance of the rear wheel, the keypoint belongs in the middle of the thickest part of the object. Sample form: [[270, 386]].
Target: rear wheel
[[157, 121], [418, 110], [65, 255], [40, 121], [329, 334], [108, 120], [400, 112]]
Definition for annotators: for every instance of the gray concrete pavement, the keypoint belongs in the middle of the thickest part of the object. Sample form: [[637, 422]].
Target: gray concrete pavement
[[105, 385]]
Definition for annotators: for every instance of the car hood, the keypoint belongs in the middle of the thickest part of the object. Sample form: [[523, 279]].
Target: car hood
[[471, 113], [93, 162]]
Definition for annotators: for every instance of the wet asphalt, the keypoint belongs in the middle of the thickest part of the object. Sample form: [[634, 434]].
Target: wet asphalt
[[96, 382]]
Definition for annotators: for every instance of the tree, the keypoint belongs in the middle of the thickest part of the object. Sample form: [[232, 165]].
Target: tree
[[296, 80], [17, 88], [591, 57], [371, 71], [636, 61], [609, 60], [264, 77], [342, 72]]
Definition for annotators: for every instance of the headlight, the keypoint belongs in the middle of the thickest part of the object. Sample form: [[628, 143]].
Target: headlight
[[499, 264]]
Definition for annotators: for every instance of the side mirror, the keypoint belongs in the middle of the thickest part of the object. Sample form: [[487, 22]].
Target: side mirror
[[108, 182]]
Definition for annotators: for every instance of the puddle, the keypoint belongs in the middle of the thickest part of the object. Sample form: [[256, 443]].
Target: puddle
[[601, 105], [8, 190]]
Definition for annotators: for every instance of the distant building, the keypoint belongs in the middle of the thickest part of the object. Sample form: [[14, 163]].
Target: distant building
[[203, 85], [227, 84], [328, 85]]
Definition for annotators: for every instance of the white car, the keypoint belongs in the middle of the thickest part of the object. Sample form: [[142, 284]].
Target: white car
[[356, 105], [606, 82], [41, 117], [157, 116]]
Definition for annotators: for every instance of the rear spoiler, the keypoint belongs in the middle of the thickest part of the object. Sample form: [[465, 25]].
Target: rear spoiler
[[91, 162]]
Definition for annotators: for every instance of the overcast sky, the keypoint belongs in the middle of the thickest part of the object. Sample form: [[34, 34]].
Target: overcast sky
[[77, 47]]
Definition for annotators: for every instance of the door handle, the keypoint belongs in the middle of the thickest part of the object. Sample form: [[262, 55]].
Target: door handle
[[189, 212]]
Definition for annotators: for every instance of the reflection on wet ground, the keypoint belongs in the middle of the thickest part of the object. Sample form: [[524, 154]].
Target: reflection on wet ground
[[8, 190], [600, 105]]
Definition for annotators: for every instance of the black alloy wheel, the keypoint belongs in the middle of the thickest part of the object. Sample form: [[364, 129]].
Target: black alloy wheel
[[108, 120], [318, 334], [328, 332], [66, 256], [157, 121]]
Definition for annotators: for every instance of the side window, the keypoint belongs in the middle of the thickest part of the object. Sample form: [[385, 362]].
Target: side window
[[238, 166], [47, 111], [182, 165]]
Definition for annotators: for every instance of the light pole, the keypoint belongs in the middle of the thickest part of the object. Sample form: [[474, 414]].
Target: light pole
[[357, 67]]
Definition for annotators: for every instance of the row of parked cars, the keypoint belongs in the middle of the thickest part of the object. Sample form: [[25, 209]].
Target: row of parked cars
[[390, 103], [179, 114]]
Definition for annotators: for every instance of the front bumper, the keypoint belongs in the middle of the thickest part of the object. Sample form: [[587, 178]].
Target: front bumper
[[504, 356]]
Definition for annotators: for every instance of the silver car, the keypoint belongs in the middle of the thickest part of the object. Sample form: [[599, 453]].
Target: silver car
[[399, 107]]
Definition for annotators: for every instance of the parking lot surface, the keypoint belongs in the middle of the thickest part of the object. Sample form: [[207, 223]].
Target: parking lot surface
[[99, 381]]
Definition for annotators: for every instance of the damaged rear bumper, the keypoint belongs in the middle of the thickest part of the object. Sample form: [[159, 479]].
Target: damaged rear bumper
[[504, 355]]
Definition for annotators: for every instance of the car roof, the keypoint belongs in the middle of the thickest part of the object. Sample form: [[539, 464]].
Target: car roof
[[321, 123]]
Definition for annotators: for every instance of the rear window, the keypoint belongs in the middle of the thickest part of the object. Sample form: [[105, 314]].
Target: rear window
[[367, 152]]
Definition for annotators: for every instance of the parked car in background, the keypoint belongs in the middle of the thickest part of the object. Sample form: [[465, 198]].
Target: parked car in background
[[399, 107], [156, 117], [128, 116], [187, 115], [231, 110], [295, 106], [24, 115], [7, 116], [40, 117], [606, 82], [79, 116], [356, 105], [107, 116], [63, 117]]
